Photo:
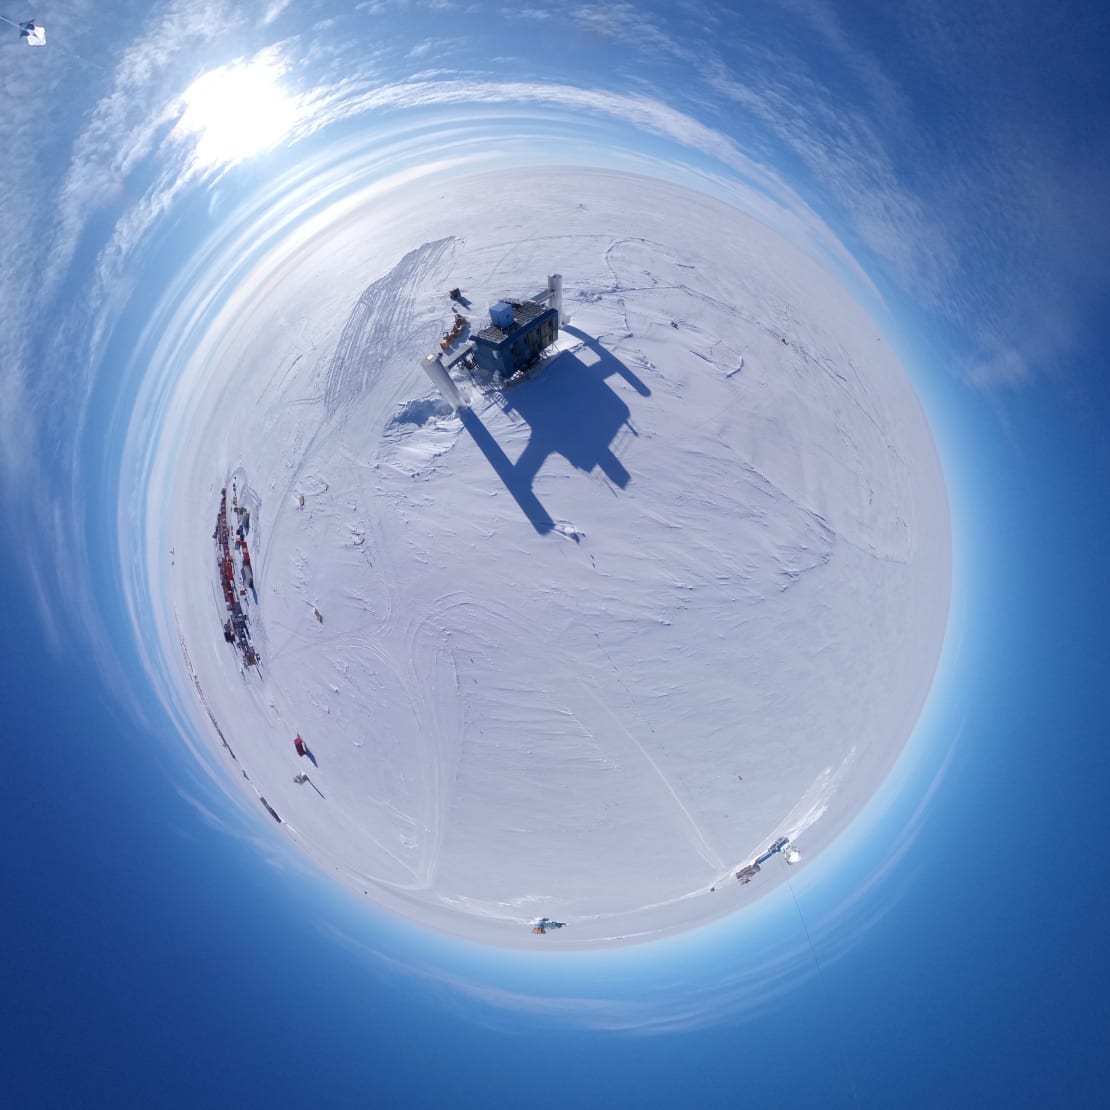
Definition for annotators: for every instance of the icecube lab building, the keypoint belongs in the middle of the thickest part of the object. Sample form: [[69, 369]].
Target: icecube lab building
[[517, 334]]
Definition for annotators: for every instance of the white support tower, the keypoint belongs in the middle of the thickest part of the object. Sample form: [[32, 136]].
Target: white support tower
[[434, 368], [555, 295]]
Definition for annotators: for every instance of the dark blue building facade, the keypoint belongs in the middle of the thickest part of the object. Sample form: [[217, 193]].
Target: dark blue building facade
[[518, 333]]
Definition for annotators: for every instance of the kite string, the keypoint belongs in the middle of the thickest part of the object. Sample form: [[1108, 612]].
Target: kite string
[[828, 997]]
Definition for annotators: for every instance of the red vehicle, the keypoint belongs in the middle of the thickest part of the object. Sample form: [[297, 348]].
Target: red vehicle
[[298, 743]]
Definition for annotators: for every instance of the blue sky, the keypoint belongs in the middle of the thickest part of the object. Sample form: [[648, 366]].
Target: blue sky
[[950, 164]]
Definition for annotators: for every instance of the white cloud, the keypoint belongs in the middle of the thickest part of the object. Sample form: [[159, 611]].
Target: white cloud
[[627, 24], [999, 367], [274, 11], [843, 152], [127, 124]]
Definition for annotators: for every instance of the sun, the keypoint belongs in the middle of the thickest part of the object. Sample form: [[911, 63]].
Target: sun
[[236, 111]]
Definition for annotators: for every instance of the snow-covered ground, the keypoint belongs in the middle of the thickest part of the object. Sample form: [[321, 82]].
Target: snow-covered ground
[[709, 541]]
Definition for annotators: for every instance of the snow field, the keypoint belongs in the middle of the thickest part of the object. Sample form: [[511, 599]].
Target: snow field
[[709, 540]]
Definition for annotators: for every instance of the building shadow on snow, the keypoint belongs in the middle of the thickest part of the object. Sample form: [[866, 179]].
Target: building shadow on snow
[[571, 410]]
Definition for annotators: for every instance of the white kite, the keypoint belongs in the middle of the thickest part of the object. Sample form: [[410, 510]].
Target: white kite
[[32, 33]]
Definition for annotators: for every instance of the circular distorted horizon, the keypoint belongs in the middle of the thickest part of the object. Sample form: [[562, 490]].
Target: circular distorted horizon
[[572, 645]]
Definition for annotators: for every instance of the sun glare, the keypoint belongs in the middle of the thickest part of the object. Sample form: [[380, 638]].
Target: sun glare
[[236, 111]]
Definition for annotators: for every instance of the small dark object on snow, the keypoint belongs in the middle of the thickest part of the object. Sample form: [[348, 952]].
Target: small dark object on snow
[[546, 923], [746, 874], [298, 743], [455, 294]]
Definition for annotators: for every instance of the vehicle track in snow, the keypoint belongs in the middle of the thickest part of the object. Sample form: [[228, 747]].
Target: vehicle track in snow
[[381, 324], [441, 716], [701, 845]]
